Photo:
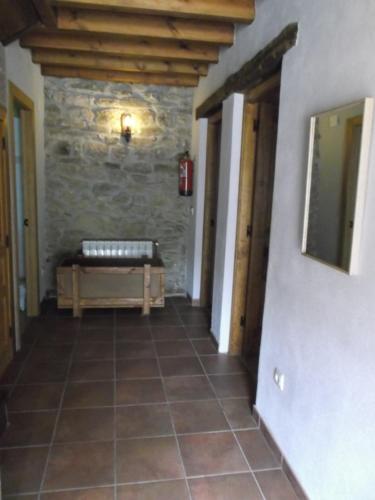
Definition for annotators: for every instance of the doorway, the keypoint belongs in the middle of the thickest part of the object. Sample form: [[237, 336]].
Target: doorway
[[254, 222], [24, 207], [6, 317], [210, 208]]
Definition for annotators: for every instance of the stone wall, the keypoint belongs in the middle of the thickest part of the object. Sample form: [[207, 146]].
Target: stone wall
[[97, 186], [2, 77]]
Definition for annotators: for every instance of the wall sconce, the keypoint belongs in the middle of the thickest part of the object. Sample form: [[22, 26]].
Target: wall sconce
[[126, 126]]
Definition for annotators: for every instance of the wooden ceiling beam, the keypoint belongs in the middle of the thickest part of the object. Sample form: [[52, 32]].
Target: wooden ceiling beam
[[135, 25], [241, 11], [16, 18], [121, 77], [103, 44], [46, 13], [83, 60], [261, 67]]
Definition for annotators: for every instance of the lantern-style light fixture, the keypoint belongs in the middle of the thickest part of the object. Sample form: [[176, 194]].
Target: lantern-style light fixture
[[126, 126]]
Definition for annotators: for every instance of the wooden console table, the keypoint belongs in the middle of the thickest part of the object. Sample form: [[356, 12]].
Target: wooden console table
[[90, 282]]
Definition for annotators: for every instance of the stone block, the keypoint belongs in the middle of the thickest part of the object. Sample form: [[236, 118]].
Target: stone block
[[98, 186]]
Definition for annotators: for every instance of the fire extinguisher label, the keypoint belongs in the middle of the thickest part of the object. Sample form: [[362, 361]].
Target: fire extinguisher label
[[183, 170]]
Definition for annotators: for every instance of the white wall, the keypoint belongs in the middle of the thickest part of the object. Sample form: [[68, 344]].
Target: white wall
[[318, 322], [194, 253], [21, 71], [226, 221]]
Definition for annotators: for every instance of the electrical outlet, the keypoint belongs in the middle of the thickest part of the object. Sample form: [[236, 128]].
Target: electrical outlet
[[279, 379]]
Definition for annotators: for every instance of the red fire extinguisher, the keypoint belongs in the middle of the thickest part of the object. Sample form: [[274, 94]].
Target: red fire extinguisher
[[185, 175]]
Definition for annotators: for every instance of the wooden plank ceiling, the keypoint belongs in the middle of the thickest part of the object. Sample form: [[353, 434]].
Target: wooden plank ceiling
[[165, 42]]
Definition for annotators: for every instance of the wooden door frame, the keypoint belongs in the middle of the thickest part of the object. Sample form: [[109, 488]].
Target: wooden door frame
[[244, 213], [350, 124], [32, 248], [5, 357], [212, 121]]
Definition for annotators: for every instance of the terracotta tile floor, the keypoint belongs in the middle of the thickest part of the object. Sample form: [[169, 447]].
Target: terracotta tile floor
[[116, 406]]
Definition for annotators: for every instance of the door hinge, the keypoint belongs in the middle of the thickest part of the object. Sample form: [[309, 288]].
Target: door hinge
[[7, 241], [3, 144], [243, 321], [255, 125], [11, 331], [249, 231]]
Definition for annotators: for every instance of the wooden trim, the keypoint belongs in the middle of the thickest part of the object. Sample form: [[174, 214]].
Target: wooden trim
[[345, 230], [94, 303], [50, 57], [30, 211], [6, 353], [216, 117], [162, 283], [146, 289], [259, 68], [16, 94], [254, 94], [245, 207], [243, 240], [138, 25], [75, 291], [241, 11], [30, 194], [122, 77], [113, 270]]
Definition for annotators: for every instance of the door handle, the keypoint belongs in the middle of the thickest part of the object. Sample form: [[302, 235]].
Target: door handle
[[26, 222]]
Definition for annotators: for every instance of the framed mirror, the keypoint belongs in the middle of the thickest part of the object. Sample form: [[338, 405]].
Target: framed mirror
[[336, 183]]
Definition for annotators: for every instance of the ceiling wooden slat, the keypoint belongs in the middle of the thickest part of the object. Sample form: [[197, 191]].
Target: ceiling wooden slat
[[135, 25], [121, 77], [102, 44], [112, 63], [242, 11]]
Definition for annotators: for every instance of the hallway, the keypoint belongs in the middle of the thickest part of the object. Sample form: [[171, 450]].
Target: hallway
[[121, 406]]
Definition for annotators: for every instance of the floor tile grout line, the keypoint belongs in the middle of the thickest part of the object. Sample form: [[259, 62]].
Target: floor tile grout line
[[108, 380], [187, 482], [233, 432], [77, 342], [59, 411], [73, 408], [133, 438], [173, 427], [113, 485], [129, 483]]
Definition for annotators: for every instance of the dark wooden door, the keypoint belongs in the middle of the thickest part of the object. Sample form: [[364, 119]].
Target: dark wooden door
[[210, 209], [260, 227]]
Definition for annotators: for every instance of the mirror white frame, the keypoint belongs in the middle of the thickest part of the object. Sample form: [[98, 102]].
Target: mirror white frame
[[368, 107]]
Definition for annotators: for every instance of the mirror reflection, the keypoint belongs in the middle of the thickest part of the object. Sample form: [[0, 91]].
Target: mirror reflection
[[332, 185]]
